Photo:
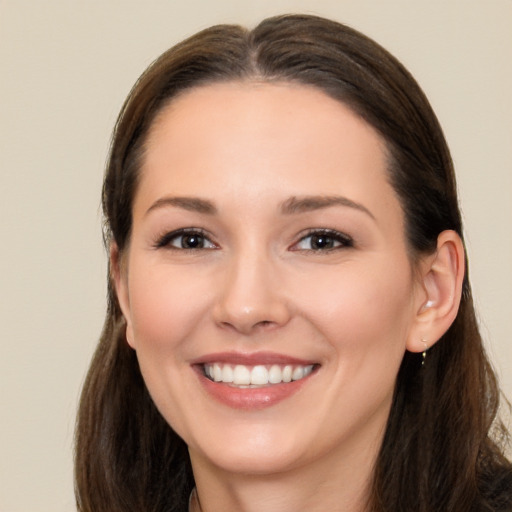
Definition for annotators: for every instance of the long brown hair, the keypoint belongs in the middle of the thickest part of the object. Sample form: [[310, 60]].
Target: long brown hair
[[440, 451]]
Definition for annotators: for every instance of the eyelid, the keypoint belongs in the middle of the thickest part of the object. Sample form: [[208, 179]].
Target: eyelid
[[344, 240], [164, 241]]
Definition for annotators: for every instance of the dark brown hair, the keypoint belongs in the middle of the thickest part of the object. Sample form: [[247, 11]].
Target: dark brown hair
[[440, 451]]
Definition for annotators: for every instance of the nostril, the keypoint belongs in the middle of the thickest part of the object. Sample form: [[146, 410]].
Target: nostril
[[249, 327], [264, 324]]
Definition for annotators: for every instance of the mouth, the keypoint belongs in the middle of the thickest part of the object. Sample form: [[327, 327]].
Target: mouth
[[255, 376], [253, 381]]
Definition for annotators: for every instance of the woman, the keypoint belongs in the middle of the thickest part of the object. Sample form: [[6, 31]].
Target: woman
[[290, 324]]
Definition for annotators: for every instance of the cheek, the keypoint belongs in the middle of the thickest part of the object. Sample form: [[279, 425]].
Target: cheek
[[165, 305], [365, 317], [361, 309]]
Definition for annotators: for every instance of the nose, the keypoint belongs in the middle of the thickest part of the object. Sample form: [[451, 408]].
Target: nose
[[251, 297]]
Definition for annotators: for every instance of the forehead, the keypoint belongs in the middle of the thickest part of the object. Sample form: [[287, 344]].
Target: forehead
[[250, 138], [262, 107]]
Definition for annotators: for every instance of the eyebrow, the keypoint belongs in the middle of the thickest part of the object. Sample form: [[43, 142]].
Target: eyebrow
[[311, 203], [192, 204], [288, 207]]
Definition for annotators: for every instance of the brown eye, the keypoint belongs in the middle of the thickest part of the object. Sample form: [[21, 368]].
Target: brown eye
[[185, 239], [190, 241], [323, 240]]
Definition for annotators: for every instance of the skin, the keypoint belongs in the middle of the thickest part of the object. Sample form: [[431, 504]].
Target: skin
[[258, 284]]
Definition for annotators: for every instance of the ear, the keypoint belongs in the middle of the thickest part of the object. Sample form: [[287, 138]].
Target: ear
[[441, 276], [119, 279]]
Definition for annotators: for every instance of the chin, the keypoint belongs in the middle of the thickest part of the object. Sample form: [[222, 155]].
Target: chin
[[254, 450], [249, 461]]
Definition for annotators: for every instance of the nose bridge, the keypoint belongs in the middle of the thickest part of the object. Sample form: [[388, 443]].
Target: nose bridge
[[250, 296]]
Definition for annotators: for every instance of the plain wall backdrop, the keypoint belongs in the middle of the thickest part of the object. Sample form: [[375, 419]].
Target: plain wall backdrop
[[65, 69]]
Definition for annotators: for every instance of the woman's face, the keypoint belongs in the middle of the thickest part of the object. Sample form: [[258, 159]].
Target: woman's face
[[267, 287]]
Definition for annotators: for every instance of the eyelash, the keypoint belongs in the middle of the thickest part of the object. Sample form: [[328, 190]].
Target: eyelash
[[332, 237], [166, 240], [342, 240]]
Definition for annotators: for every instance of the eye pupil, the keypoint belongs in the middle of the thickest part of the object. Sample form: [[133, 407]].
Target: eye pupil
[[321, 242], [192, 241]]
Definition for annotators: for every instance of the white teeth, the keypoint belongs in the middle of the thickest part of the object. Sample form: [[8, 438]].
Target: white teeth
[[227, 373], [217, 372], [259, 375], [241, 375], [298, 373], [275, 375]]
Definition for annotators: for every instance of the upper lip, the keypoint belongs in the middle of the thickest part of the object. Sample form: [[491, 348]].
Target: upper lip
[[251, 359]]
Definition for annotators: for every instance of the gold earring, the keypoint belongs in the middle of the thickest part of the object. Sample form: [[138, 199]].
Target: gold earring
[[424, 354]]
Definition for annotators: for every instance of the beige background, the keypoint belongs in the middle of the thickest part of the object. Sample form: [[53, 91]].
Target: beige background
[[65, 68]]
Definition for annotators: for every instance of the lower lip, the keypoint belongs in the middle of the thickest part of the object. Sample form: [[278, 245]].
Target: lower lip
[[251, 398]]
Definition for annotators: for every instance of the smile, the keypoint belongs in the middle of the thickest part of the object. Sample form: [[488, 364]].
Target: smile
[[245, 376], [253, 381]]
